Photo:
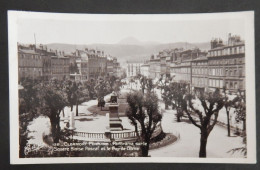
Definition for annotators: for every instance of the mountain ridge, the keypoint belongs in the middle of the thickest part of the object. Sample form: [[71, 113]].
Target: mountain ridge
[[128, 51]]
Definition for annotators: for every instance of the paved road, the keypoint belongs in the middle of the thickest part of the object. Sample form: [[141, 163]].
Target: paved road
[[188, 144]]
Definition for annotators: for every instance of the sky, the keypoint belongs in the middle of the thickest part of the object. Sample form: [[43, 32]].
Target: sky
[[111, 32]]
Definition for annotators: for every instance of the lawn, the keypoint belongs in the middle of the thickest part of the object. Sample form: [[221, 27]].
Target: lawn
[[122, 107]]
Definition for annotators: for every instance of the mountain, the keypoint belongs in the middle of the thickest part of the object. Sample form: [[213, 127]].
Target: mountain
[[129, 48], [134, 41], [130, 41]]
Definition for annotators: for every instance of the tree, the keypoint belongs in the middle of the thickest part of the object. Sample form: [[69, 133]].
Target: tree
[[111, 81], [167, 96], [90, 86], [143, 82], [76, 93], [177, 91], [116, 87], [70, 88], [28, 109], [102, 89], [150, 86], [240, 111], [143, 112], [131, 82], [211, 104], [240, 108], [163, 84], [53, 100], [82, 95], [228, 104]]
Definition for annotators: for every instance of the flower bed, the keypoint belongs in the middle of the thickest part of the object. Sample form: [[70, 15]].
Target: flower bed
[[168, 139]]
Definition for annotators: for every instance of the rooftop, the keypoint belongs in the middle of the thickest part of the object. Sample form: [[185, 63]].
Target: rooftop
[[27, 51]]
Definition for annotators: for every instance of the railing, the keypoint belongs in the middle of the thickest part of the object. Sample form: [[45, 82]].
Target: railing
[[90, 135], [121, 135]]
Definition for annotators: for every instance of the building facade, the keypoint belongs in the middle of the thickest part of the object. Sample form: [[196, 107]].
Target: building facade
[[222, 66], [44, 64], [155, 67], [133, 68], [199, 73], [144, 70], [60, 67], [97, 64], [30, 63], [226, 64]]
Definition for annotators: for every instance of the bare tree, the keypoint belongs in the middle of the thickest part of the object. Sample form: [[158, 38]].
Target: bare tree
[[211, 104]]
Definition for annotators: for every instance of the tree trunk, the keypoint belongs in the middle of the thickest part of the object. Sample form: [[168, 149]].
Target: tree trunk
[[55, 127], [179, 115], [244, 125], [71, 107], [77, 109], [178, 118], [22, 145], [228, 123], [144, 150], [203, 143], [166, 106]]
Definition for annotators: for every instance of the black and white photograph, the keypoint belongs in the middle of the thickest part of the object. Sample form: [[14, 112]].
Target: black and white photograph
[[131, 88]]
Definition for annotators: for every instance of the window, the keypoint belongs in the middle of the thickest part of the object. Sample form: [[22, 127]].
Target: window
[[235, 72], [231, 85], [236, 86], [243, 49], [227, 86], [213, 71], [220, 83]]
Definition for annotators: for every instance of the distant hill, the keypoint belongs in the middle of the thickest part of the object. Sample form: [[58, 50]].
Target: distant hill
[[134, 41], [125, 49]]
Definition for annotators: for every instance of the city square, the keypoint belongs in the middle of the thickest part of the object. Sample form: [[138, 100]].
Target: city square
[[132, 93]]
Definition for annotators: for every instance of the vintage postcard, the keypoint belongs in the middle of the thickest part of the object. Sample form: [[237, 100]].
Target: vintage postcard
[[88, 88]]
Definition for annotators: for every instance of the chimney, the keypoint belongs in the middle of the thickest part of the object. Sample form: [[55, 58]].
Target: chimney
[[214, 43]]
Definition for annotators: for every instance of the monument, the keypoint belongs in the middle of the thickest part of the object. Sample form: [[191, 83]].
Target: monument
[[114, 120]]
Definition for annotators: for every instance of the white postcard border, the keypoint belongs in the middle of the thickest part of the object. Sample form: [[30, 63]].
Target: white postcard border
[[14, 16]]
